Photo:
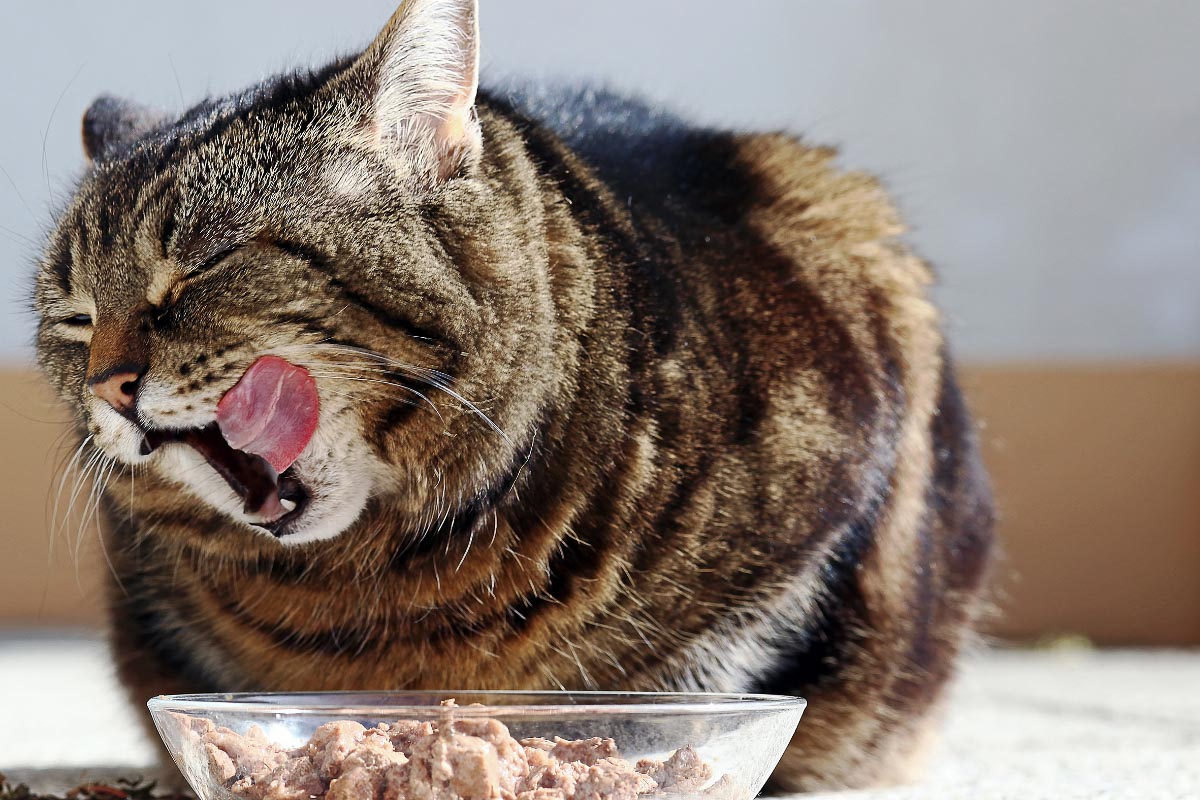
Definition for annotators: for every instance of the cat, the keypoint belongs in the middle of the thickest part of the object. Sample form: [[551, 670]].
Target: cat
[[407, 384]]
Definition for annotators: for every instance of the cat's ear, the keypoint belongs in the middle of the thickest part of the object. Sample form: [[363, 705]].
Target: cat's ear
[[111, 122], [423, 70]]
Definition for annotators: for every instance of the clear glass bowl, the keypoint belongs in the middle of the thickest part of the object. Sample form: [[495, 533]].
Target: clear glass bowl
[[739, 735]]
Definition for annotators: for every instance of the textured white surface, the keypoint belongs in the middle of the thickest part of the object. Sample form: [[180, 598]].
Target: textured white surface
[[60, 706], [1054, 725], [1068, 726]]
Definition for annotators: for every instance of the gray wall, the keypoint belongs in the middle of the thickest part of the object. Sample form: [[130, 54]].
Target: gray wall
[[1047, 153]]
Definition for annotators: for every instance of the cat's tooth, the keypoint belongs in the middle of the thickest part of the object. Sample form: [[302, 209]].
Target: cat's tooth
[[285, 506]]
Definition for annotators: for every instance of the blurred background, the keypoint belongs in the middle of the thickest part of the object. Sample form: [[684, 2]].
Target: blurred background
[[1047, 156]]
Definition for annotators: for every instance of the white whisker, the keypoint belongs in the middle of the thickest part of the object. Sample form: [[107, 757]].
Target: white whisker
[[72, 465]]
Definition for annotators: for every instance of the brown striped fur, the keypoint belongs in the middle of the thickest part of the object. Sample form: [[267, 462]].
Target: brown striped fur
[[734, 456]]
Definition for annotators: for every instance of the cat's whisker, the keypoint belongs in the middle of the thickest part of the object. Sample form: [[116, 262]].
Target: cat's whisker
[[467, 549], [89, 474], [19, 238], [375, 357], [132, 487], [434, 378], [17, 190], [112, 467], [49, 123], [379, 358], [350, 395], [72, 465], [356, 370], [326, 390], [432, 407], [95, 494], [346, 371], [80, 477]]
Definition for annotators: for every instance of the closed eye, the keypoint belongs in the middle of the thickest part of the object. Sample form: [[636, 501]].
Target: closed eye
[[79, 320], [213, 261]]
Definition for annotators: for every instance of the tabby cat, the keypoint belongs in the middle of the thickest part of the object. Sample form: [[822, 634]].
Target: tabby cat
[[403, 384]]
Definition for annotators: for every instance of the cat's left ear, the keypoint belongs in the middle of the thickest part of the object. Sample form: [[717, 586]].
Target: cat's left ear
[[423, 69], [110, 122]]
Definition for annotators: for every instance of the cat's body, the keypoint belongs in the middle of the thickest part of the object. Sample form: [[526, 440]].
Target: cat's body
[[733, 454]]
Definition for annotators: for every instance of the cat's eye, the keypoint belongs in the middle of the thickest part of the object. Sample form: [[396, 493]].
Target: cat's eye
[[78, 321], [213, 260]]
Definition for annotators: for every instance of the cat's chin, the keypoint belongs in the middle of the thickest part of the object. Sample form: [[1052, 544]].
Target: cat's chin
[[323, 516], [329, 492]]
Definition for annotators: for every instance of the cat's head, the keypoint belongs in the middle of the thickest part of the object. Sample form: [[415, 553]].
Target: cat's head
[[345, 231]]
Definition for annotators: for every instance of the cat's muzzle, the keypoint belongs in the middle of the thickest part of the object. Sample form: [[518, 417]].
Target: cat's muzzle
[[270, 499]]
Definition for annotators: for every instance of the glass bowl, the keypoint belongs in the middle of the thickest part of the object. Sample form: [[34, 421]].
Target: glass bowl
[[264, 739]]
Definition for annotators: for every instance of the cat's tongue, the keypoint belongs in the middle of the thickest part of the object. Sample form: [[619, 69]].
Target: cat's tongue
[[272, 411]]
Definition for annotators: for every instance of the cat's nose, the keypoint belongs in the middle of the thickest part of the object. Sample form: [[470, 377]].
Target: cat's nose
[[118, 389]]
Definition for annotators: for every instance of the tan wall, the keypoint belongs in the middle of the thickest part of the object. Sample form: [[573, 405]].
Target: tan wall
[[40, 583], [1097, 470], [1097, 475]]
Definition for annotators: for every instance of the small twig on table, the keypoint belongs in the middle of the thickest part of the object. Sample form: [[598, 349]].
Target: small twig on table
[[124, 790]]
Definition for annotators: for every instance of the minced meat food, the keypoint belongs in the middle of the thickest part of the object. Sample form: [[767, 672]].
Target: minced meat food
[[454, 759]]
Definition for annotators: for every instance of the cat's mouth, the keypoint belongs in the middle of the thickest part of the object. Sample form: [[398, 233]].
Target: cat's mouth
[[263, 425], [269, 498]]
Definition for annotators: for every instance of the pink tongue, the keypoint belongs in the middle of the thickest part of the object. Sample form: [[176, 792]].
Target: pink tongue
[[272, 411]]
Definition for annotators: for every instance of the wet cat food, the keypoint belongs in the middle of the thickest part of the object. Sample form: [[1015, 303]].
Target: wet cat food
[[450, 759]]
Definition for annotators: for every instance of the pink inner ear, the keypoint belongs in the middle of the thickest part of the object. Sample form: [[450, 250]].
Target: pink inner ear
[[272, 411], [425, 70]]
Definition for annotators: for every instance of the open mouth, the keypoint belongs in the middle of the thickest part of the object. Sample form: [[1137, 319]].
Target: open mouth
[[263, 424], [270, 498]]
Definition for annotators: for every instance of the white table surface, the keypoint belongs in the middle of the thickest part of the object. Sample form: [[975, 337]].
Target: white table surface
[[1051, 724]]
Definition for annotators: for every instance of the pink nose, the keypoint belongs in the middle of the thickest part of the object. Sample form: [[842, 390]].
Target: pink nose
[[118, 390]]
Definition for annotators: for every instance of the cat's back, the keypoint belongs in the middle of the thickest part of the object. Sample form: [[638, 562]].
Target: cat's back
[[724, 190], [759, 263], [638, 150], [694, 178], [758, 232]]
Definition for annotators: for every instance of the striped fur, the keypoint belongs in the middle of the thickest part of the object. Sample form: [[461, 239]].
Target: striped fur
[[616, 403]]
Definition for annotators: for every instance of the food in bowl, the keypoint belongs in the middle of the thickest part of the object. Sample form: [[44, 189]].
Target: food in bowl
[[565, 745], [450, 758]]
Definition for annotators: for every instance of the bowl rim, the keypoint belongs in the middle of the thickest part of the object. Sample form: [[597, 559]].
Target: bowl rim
[[342, 703]]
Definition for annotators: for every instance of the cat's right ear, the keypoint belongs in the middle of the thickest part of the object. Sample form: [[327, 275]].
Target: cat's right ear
[[422, 74], [111, 122]]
